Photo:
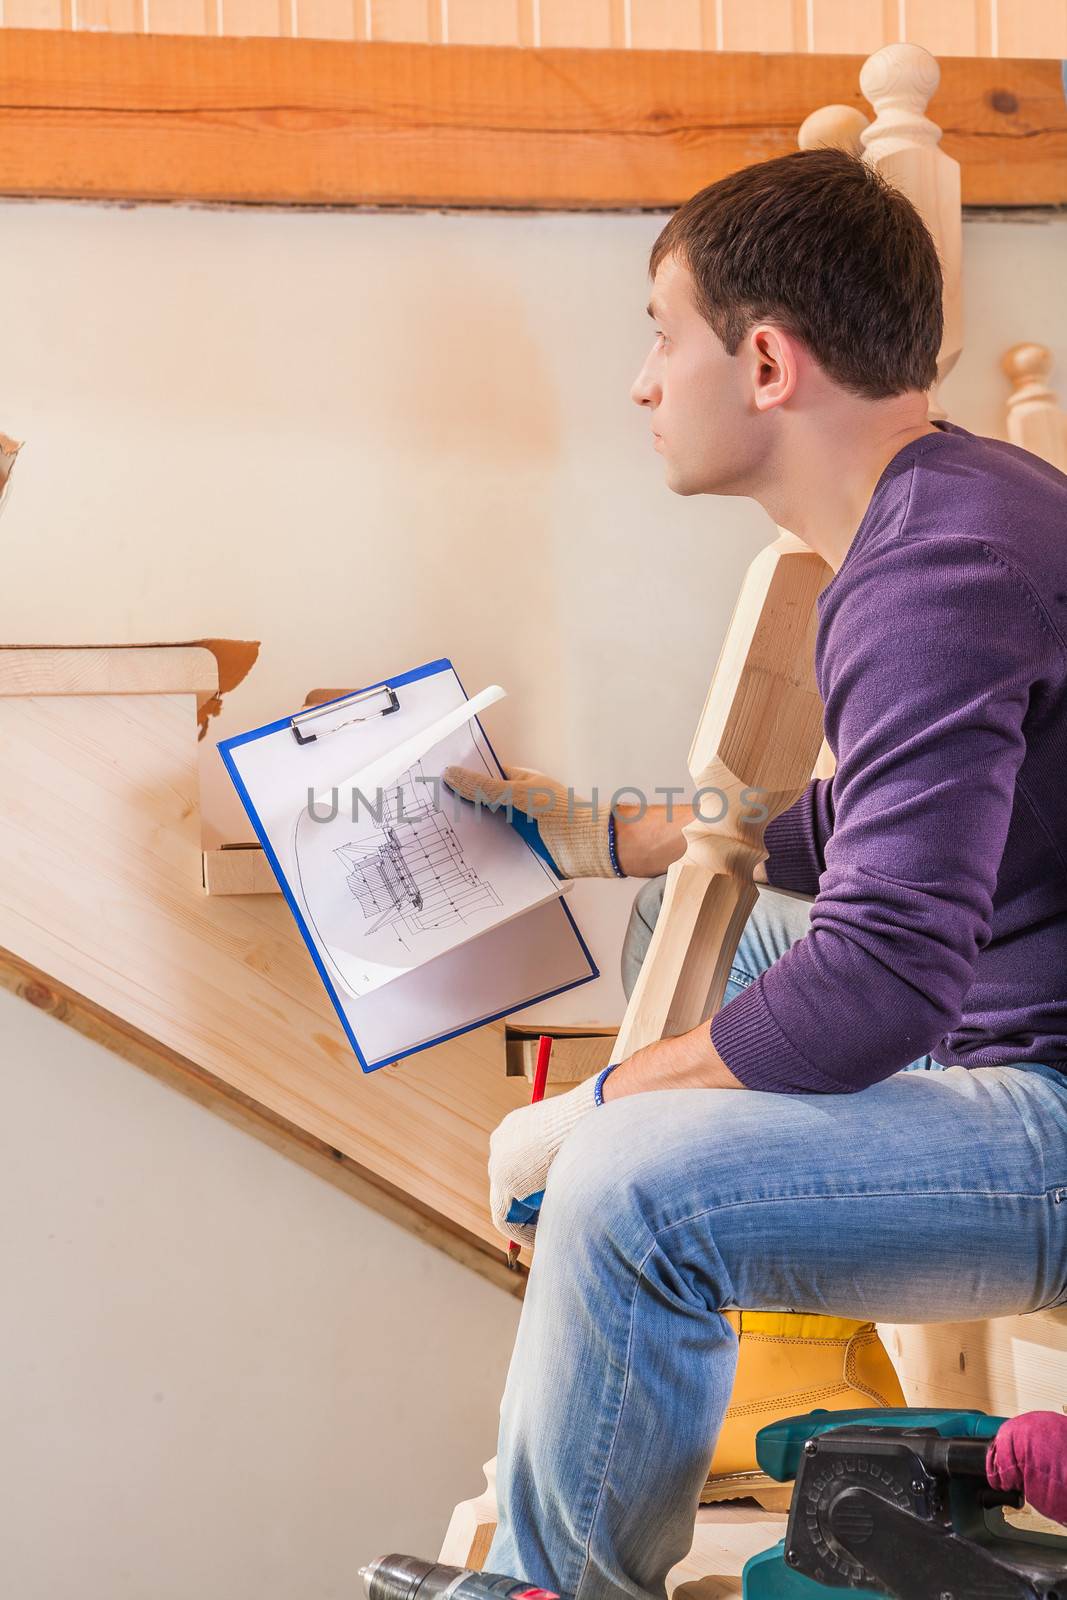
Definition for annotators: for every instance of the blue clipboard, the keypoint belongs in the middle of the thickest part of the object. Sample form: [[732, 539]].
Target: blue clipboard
[[536, 955]]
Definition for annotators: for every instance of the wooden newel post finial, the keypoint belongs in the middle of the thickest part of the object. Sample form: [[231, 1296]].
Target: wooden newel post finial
[[837, 127], [1034, 418], [1029, 366], [899, 81], [750, 759], [903, 144]]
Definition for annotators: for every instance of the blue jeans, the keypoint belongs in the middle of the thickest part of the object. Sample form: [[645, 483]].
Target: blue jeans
[[931, 1196]]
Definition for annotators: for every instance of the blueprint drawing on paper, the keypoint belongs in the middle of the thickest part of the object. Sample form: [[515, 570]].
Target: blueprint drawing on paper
[[406, 875], [408, 872]]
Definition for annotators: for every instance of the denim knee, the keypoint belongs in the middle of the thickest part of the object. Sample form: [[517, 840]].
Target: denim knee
[[606, 1221], [591, 1196]]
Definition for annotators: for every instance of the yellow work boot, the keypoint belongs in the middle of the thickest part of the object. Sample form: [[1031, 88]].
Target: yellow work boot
[[789, 1364]]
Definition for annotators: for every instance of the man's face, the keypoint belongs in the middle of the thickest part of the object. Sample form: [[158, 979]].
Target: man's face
[[695, 393]]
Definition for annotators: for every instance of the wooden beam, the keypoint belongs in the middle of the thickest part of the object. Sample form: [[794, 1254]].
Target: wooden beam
[[326, 122], [251, 1116]]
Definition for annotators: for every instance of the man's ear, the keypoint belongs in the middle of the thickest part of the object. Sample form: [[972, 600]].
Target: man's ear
[[773, 363]]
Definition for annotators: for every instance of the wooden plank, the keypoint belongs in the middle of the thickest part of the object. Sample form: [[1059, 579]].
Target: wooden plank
[[772, 26], [244, 1112], [577, 1053], [234, 659], [1004, 1366], [666, 24], [119, 16], [855, 27], [147, 670], [37, 13], [405, 21], [946, 27], [330, 19], [181, 16], [567, 26], [239, 869], [251, 18], [482, 22], [1039, 26], [324, 121]]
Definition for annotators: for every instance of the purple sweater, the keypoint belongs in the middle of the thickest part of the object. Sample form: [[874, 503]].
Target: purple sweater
[[937, 853]]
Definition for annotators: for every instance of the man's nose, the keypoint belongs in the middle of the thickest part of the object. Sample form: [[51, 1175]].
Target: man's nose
[[645, 389]]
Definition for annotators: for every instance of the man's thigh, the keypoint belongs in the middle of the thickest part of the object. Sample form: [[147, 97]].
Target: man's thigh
[[926, 1197]]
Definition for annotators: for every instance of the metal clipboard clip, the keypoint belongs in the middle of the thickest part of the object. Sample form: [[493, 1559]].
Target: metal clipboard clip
[[308, 726]]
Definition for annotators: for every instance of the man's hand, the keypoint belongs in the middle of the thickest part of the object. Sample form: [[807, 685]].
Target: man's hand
[[571, 831], [523, 1147], [572, 834], [689, 1061], [521, 1150]]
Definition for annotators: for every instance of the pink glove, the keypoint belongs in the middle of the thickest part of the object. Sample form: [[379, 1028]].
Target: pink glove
[[1030, 1453]]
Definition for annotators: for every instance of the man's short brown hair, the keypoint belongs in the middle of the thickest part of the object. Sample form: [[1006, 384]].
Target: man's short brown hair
[[822, 245]]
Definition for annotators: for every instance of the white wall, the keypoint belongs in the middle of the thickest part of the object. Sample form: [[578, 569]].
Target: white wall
[[366, 439], [369, 439], [220, 1377]]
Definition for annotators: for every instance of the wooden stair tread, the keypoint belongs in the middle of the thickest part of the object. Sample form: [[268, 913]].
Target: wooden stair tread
[[100, 856]]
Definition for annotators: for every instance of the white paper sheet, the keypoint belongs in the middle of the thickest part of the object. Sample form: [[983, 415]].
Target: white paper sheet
[[426, 915], [389, 868]]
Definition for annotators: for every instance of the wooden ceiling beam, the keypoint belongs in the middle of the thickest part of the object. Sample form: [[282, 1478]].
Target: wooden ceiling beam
[[320, 122]]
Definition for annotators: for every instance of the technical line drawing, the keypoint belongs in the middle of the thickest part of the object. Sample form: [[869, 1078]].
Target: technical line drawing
[[410, 873]]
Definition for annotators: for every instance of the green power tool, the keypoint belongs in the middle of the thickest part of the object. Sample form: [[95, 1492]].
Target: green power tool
[[897, 1502]]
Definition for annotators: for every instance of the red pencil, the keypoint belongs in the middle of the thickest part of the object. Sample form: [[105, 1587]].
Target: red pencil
[[544, 1050]]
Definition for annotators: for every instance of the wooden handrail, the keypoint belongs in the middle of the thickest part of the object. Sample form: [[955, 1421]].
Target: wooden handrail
[[293, 121]]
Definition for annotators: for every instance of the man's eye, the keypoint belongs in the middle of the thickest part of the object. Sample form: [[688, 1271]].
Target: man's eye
[[661, 335]]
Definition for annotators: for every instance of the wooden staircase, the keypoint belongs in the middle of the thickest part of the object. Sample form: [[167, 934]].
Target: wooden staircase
[[105, 923]]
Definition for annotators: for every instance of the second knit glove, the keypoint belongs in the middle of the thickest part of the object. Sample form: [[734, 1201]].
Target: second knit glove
[[523, 1147]]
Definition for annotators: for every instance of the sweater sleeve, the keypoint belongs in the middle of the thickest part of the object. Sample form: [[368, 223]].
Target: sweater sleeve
[[796, 840], [930, 655]]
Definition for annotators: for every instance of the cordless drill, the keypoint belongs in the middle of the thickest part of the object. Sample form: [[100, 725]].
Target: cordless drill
[[407, 1578]]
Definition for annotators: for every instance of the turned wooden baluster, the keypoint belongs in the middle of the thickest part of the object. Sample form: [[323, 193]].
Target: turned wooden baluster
[[1034, 418], [759, 731]]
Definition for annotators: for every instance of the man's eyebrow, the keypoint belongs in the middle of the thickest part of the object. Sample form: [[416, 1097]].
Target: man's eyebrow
[[653, 313]]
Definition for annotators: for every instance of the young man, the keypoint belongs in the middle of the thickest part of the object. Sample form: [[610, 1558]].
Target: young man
[[786, 1157]]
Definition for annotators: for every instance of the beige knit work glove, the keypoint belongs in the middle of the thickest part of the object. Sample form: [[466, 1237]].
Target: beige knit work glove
[[578, 839], [521, 1150]]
